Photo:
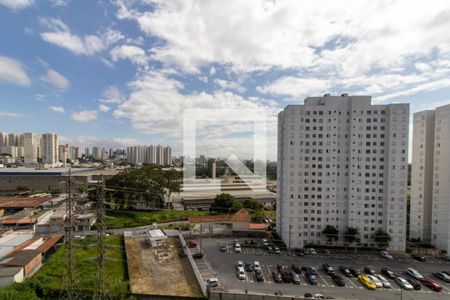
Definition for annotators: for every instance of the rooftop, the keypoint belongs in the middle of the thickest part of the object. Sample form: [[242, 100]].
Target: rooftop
[[46, 172], [156, 233], [19, 258], [10, 271], [22, 202]]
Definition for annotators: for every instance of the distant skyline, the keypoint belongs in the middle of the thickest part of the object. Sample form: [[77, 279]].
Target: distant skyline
[[119, 73]]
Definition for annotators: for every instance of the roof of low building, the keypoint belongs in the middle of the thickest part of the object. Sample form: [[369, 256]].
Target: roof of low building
[[156, 233], [22, 202], [257, 226], [19, 258], [9, 271], [242, 215], [44, 247], [43, 172]]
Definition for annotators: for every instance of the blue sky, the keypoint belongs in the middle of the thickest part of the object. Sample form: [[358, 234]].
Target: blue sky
[[121, 72]]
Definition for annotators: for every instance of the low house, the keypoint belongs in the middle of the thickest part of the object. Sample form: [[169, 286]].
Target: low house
[[12, 240], [29, 260], [9, 275], [156, 237], [84, 222]]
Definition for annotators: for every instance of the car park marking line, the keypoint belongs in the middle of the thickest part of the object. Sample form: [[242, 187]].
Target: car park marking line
[[318, 273]]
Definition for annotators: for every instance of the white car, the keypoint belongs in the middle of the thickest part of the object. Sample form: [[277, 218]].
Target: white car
[[241, 274], [237, 248], [403, 283], [312, 251], [212, 282], [384, 281], [375, 280], [239, 265], [446, 257], [265, 242], [256, 265], [386, 255], [413, 273]]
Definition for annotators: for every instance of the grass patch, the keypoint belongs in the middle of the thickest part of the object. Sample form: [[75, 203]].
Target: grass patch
[[46, 283], [125, 219]]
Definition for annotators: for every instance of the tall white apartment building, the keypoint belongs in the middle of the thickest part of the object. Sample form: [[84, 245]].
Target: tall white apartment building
[[49, 148], [430, 182], [159, 154], [342, 162], [13, 139], [150, 154], [31, 148], [136, 154], [3, 139]]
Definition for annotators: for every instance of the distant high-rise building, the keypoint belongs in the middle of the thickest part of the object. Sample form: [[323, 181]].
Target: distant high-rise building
[[99, 153], [13, 139], [3, 139], [63, 151], [49, 148], [31, 148], [167, 156], [151, 155], [87, 152], [342, 162], [430, 180], [159, 155], [74, 153]]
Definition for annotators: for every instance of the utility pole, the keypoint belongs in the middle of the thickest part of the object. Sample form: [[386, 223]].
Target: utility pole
[[70, 289], [102, 290]]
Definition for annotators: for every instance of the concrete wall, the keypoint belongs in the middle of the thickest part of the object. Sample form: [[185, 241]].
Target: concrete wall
[[39, 183]]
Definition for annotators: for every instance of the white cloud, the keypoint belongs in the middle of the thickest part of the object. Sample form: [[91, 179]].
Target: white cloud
[[8, 114], [111, 94], [12, 71], [16, 4], [229, 85], [58, 109], [429, 86], [296, 87], [84, 115], [56, 79], [60, 35], [135, 54], [212, 71], [60, 2], [103, 108]]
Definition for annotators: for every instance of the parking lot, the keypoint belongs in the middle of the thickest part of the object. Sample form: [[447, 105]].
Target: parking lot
[[223, 265]]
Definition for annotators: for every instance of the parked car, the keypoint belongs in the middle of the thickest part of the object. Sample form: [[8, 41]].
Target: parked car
[[367, 282], [446, 272], [248, 267], [295, 278], [386, 255], [312, 251], [198, 255], [280, 268], [326, 252], [415, 283], [270, 250], [430, 283], [345, 271], [239, 264], [241, 274], [375, 280], [442, 276], [328, 269], [419, 258], [369, 270], [311, 278], [296, 268], [445, 257], [403, 283], [413, 273], [299, 252], [237, 248], [223, 247], [310, 270], [354, 272], [259, 275], [192, 244], [277, 277], [276, 250], [286, 277], [338, 280], [388, 273], [212, 282], [265, 242], [256, 265], [386, 284]]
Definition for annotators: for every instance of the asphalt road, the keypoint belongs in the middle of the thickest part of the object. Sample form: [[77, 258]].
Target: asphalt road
[[223, 266]]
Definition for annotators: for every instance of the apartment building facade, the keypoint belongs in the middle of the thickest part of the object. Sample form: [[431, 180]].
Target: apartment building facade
[[342, 162], [430, 193]]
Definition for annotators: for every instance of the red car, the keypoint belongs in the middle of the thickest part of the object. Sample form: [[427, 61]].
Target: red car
[[277, 277], [432, 284]]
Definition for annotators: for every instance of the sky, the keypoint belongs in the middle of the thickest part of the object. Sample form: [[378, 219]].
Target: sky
[[122, 72]]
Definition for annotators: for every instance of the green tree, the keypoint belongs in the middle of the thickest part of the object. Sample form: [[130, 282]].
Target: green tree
[[382, 239], [352, 235], [222, 203], [331, 233], [252, 204], [258, 216]]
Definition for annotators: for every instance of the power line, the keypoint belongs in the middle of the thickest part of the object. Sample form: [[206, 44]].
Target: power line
[[102, 290]]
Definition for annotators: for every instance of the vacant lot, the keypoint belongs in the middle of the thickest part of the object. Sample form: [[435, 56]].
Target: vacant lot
[[126, 219], [47, 283], [159, 271]]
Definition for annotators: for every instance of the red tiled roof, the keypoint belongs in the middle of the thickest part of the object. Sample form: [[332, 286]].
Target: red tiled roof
[[240, 216], [13, 202], [49, 243], [18, 221], [26, 244], [257, 226]]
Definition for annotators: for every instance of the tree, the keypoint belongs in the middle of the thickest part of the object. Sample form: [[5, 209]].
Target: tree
[[352, 235], [331, 232], [258, 216], [382, 239], [252, 204], [222, 203]]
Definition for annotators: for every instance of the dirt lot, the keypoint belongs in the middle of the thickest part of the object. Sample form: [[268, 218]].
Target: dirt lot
[[159, 271]]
